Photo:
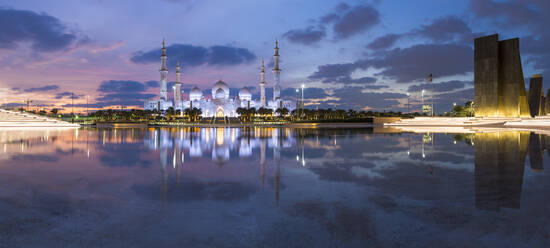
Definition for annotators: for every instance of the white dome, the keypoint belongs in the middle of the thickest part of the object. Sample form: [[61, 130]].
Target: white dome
[[244, 94], [195, 94], [220, 85], [220, 94]]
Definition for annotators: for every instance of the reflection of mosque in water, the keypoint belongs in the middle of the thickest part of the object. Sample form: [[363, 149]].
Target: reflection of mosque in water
[[220, 143]]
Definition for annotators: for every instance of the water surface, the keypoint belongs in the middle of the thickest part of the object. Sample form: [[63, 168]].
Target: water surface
[[272, 187]]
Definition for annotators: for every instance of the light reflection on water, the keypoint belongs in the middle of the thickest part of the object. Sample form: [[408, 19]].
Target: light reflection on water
[[274, 187]]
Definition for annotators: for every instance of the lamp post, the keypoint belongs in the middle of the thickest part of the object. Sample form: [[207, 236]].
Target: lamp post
[[408, 105], [422, 101], [87, 98], [297, 101], [431, 86], [303, 86], [453, 110], [72, 107]]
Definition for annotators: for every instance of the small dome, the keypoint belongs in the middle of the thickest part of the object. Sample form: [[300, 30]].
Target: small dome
[[195, 94], [244, 94]]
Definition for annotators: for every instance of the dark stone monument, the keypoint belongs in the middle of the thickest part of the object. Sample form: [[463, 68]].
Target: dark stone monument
[[499, 89], [486, 75], [536, 95]]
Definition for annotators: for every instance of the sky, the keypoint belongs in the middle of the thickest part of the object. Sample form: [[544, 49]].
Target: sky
[[362, 55]]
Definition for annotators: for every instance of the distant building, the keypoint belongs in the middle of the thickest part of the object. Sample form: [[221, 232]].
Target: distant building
[[219, 103]]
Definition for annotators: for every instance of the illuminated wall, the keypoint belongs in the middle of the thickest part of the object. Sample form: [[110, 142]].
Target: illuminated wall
[[499, 89]]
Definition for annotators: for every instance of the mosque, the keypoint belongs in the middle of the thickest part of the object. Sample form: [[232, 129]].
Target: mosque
[[219, 103]]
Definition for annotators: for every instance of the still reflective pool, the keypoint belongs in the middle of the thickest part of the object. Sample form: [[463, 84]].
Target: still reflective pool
[[273, 187]]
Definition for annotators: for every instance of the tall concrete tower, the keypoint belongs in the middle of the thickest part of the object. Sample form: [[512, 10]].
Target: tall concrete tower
[[276, 73], [163, 74], [262, 86], [177, 89]]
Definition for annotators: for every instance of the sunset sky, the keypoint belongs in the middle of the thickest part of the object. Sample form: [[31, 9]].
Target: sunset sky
[[349, 54]]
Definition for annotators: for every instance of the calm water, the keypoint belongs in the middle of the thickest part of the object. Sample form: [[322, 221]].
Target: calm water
[[229, 187]]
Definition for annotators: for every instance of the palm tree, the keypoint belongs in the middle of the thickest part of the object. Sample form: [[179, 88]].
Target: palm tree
[[282, 112], [243, 113]]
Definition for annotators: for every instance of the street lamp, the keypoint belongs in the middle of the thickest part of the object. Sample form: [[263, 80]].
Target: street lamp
[[87, 98], [422, 101], [408, 106], [453, 110], [303, 86]]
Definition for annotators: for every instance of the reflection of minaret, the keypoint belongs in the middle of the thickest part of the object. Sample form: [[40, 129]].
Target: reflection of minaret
[[163, 74], [262, 161], [262, 85], [535, 152], [499, 165], [277, 181], [276, 73], [163, 155], [277, 157]]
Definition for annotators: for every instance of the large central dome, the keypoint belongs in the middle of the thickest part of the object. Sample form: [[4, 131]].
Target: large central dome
[[223, 86]]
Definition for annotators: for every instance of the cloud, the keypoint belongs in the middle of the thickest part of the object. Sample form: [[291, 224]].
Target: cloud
[[404, 65], [346, 21], [445, 29], [42, 89], [122, 92], [349, 80], [513, 12], [358, 19], [384, 42], [415, 63], [69, 95], [121, 86], [440, 87], [152, 84], [355, 98], [309, 93], [191, 56], [46, 33], [13, 105], [306, 36], [331, 72], [226, 55]]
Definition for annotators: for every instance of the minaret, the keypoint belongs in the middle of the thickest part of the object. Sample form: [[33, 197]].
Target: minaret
[[163, 74], [177, 89], [262, 86], [276, 73]]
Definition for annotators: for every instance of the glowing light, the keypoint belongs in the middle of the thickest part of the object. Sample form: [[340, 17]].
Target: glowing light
[[297, 157]]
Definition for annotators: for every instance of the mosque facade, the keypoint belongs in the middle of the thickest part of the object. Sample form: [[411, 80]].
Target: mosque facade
[[218, 102]]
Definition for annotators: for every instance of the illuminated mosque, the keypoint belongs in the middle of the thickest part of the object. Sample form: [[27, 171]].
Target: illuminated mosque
[[219, 103]]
